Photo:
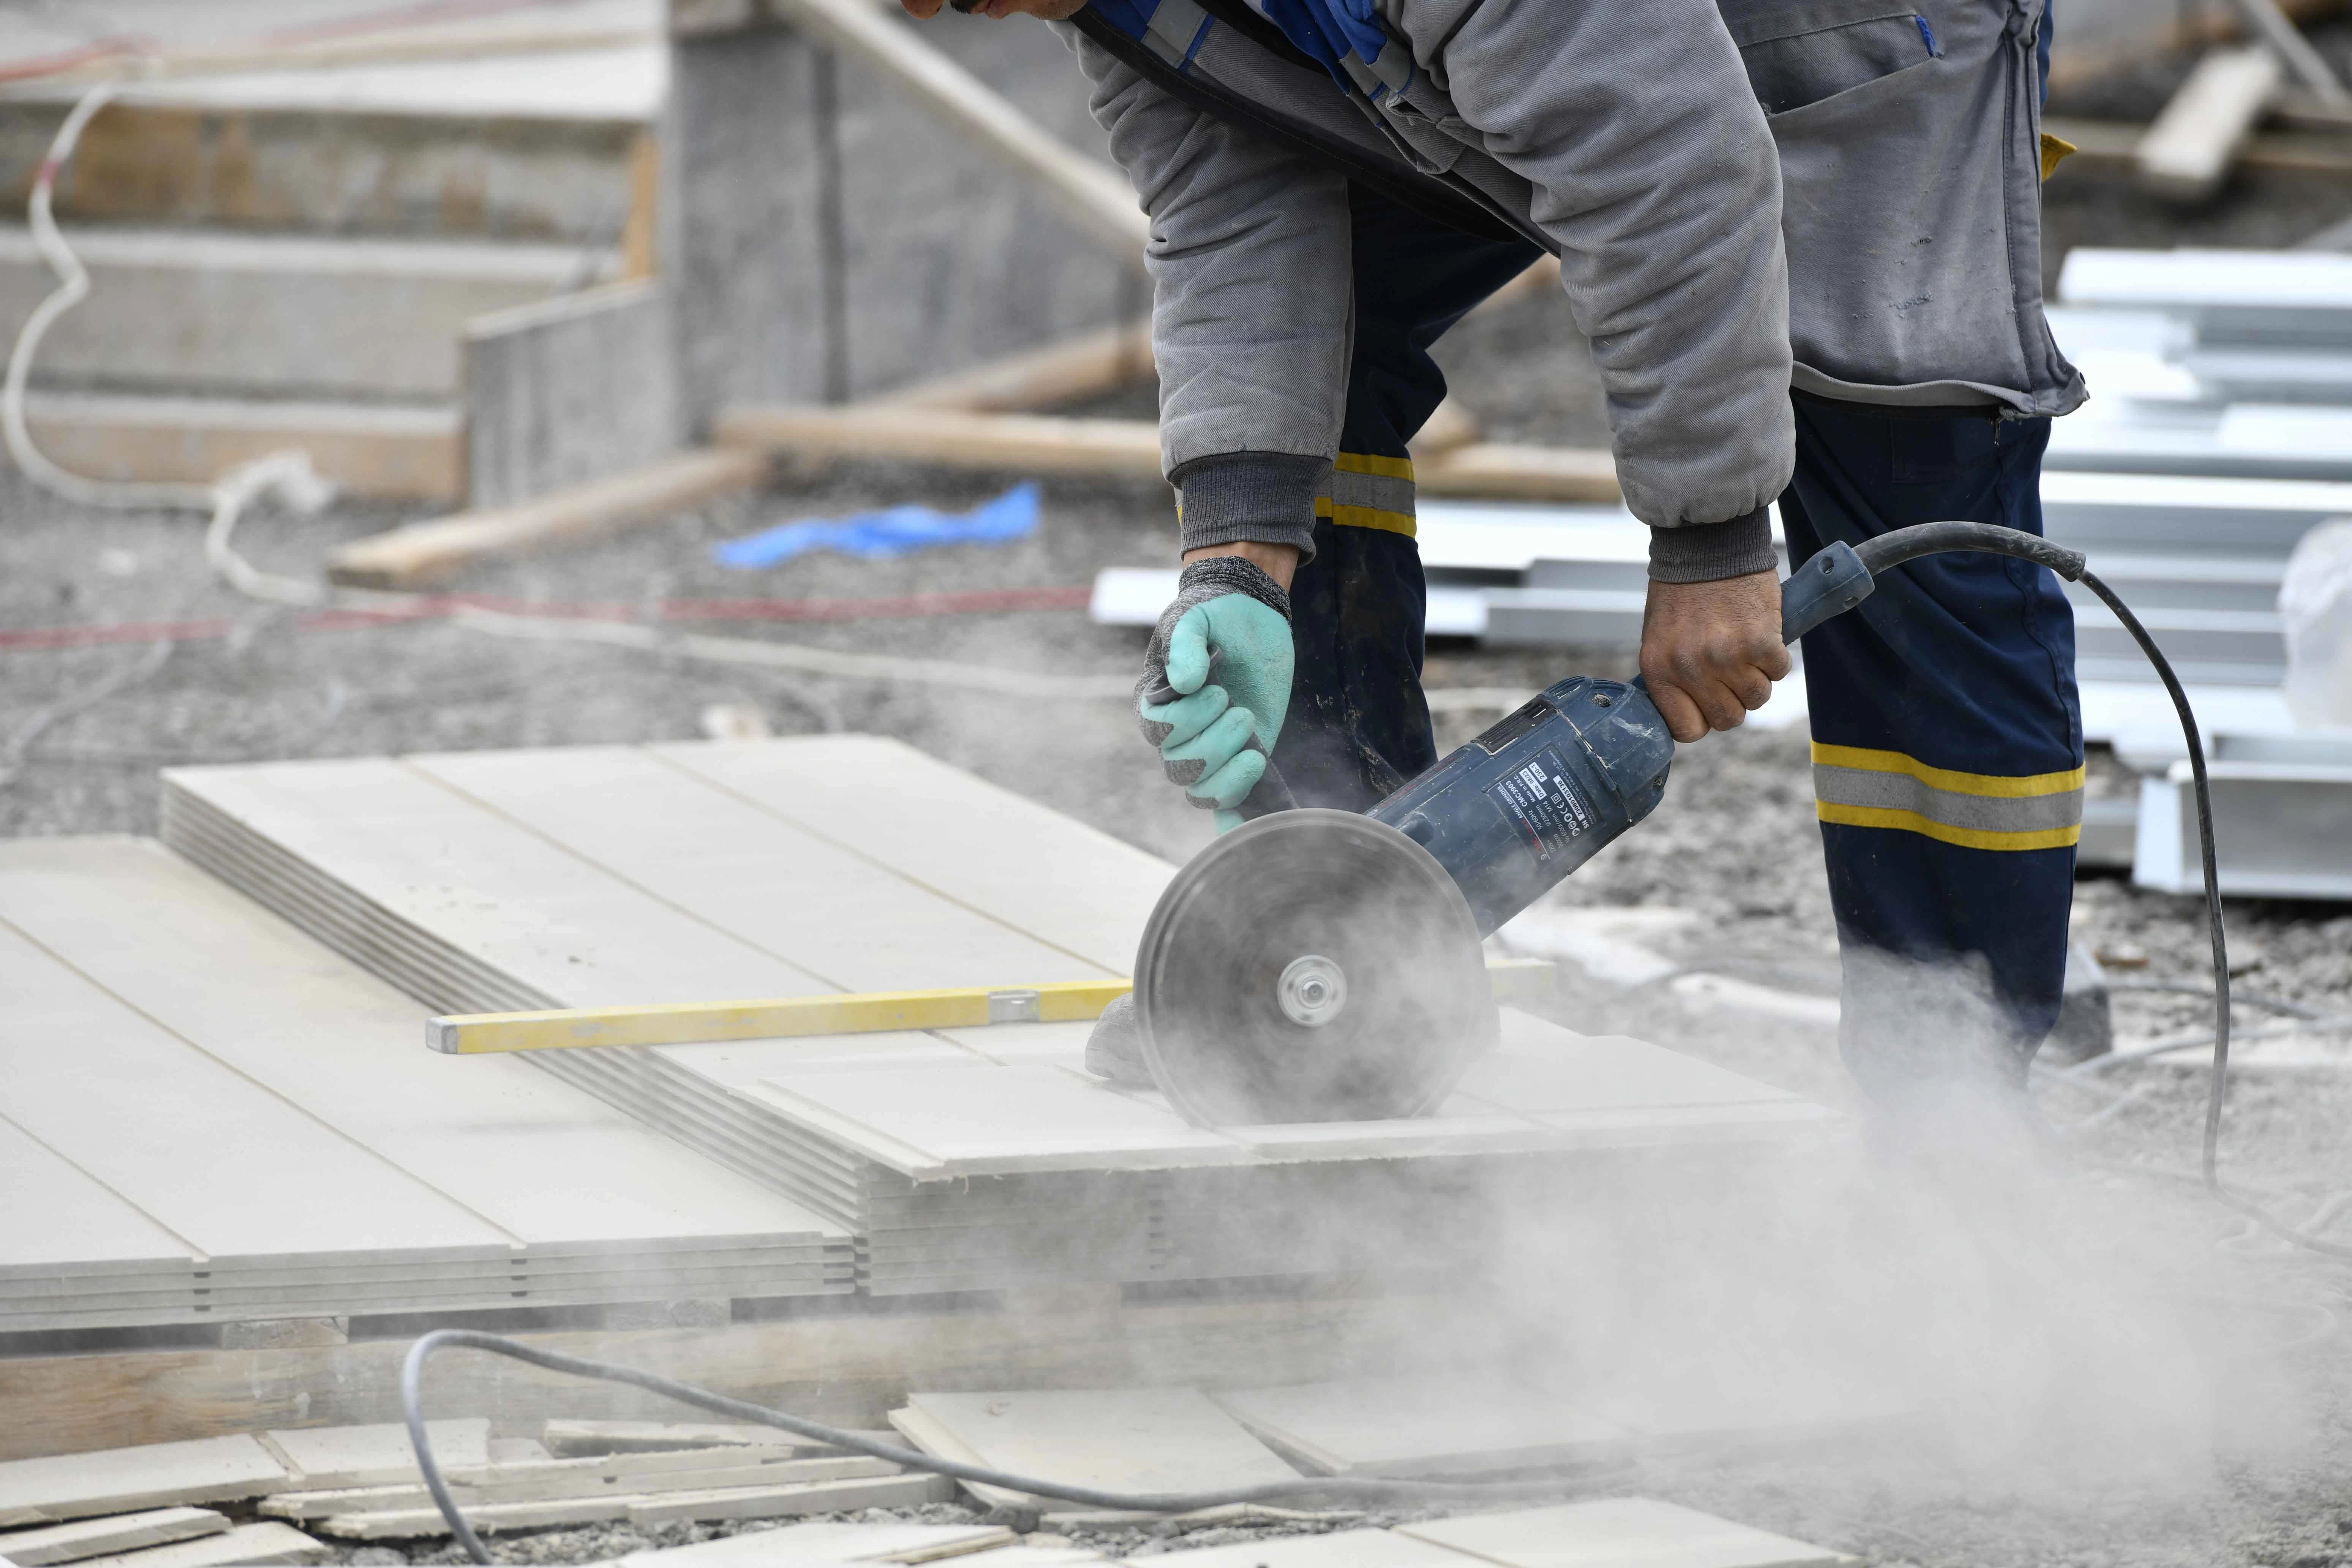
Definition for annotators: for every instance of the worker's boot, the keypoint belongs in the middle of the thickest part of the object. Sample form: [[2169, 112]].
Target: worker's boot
[[1115, 1050]]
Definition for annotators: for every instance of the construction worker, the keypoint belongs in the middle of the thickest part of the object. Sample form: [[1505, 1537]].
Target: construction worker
[[1804, 238]]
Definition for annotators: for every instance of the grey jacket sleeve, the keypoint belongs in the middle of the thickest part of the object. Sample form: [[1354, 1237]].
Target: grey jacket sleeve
[[1252, 313], [1652, 166]]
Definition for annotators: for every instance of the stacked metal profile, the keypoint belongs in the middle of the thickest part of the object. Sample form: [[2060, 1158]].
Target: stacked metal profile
[[962, 1159]]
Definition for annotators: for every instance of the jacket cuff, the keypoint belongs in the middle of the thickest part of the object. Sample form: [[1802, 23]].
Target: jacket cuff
[[1710, 551], [1261, 498]]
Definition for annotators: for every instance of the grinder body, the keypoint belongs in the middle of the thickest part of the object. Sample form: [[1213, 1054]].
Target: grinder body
[[1539, 794]]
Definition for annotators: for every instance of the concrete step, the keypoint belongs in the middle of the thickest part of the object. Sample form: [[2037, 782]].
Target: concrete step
[[198, 311], [384, 452]]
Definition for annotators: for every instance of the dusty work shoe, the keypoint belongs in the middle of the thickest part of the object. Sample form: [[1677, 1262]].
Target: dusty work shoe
[[1115, 1050]]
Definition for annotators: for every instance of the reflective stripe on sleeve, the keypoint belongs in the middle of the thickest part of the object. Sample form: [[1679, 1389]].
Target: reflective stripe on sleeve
[[1858, 787], [1370, 491]]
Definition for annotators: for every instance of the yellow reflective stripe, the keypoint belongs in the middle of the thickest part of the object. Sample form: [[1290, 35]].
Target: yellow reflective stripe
[[1967, 837], [1867, 760], [1365, 516], [1365, 463], [2055, 149]]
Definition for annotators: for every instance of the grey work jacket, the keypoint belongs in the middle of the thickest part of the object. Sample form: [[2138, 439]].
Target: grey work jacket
[[1639, 137]]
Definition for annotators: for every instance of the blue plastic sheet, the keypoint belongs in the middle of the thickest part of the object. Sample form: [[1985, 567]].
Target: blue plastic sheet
[[878, 535]]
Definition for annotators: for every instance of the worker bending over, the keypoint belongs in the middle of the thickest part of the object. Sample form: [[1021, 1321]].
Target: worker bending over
[[1803, 237]]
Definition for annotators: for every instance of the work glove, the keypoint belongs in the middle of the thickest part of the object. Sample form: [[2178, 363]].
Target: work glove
[[1223, 649]]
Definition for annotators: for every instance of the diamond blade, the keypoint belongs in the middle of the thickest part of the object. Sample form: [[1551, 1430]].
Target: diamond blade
[[1311, 967]]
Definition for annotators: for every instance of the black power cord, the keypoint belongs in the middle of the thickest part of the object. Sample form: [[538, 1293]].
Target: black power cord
[[1880, 554]]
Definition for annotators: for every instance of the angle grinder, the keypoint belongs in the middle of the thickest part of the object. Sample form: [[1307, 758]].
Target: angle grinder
[[1317, 965]]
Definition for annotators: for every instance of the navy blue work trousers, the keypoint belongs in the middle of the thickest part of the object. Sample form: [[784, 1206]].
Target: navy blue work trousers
[[1948, 740]]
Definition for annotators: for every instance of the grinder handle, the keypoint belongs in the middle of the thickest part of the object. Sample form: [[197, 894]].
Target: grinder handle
[[1831, 583]]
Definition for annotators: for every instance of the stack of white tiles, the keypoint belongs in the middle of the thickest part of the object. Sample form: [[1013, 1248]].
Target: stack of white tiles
[[963, 1159]]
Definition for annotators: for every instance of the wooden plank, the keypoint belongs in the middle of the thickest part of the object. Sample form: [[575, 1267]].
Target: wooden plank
[[217, 1157], [1091, 194], [246, 1546], [846, 1369], [1085, 366], [120, 1480], [1031, 443], [1022, 863], [509, 1144], [778, 1017], [2189, 149], [770, 882], [95, 1537], [420, 553]]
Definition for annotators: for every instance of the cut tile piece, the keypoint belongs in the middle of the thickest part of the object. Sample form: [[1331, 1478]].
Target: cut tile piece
[[118, 1480], [96, 1537], [1120, 1440], [246, 1546], [1619, 1532], [581, 1440], [1342, 1549], [792, 1501], [932, 1123], [1435, 1424], [328, 1457], [552, 1480], [819, 1544], [1541, 1068]]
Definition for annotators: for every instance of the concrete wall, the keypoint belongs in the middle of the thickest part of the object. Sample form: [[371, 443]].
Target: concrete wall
[[946, 258]]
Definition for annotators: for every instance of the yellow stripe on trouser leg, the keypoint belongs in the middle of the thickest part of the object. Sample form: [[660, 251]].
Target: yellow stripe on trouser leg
[[1859, 787], [1370, 491]]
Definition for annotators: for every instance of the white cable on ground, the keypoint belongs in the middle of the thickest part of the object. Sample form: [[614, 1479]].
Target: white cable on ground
[[289, 476]]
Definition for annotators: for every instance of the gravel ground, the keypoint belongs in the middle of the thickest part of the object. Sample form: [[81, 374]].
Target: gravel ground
[[83, 731]]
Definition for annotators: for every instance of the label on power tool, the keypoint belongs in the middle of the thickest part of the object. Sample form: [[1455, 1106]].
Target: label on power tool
[[1542, 803]]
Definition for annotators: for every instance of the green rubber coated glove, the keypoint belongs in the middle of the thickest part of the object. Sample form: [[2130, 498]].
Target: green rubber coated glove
[[1216, 682]]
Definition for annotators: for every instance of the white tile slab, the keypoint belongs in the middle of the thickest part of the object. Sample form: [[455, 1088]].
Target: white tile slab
[[853, 924], [1121, 1439], [1618, 1532], [1341, 1548], [818, 1544], [246, 1546], [934, 1122], [546, 1163], [83, 1538], [1035, 870], [218, 1159], [1432, 1424], [1541, 1068], [378, 1455], [58, 1217], [488, 888], [120, 1480]]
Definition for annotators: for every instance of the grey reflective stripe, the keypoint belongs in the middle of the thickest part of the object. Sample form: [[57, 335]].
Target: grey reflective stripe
[[1379, 492], [1835, 786], [1174, 30]]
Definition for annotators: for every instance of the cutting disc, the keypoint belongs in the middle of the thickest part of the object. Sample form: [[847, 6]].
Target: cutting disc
[[1311, 967]]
